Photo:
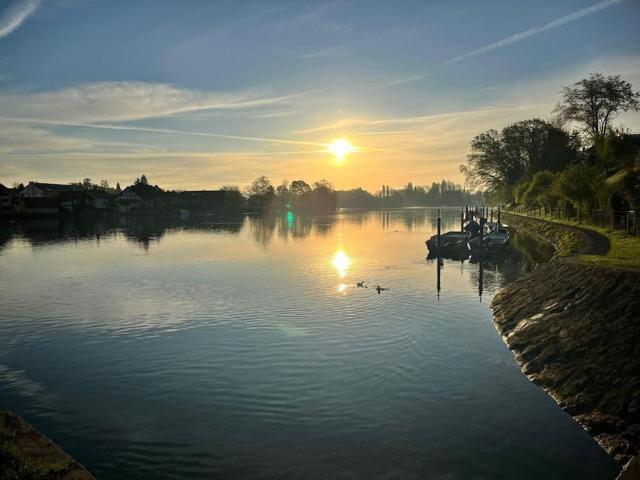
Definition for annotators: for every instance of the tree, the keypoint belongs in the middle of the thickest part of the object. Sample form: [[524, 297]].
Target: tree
[[142, 180], [499, 160], [104, 184], [541, 191], [261, 192], [299, 188], [596, 101], [583, 187]]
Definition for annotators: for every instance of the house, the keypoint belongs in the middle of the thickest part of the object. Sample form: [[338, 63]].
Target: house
[[140, 196], [6, 200], [36, 206], [100, 200], [47, 190], [73, 201]]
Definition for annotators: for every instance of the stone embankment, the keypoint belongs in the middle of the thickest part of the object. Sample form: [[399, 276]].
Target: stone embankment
[[27, 454], [574, 328]]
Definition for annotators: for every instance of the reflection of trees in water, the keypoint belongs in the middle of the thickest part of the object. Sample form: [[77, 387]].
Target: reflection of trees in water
[[410, 218], [287, 225], [6, 235], [148, 230], [523, 255], [140, 230], [43, 232]]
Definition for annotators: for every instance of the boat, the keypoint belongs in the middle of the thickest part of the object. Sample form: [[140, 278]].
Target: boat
[[493, 242], [451, 243]]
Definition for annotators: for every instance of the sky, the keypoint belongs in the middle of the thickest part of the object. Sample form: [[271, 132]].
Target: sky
[[199, 94]]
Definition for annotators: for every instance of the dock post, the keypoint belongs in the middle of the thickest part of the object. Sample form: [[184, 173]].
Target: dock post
[[439, 229]]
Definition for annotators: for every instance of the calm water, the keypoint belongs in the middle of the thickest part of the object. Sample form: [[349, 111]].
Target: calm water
[[242, 349]]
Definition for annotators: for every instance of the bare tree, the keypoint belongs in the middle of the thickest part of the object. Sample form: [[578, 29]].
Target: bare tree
[[596, 101]]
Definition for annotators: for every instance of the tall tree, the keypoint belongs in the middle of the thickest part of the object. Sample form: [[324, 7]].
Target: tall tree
[[499, 160], [596, 101]]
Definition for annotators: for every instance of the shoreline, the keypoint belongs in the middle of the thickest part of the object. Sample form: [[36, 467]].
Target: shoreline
[[574, 329], [25, 453]]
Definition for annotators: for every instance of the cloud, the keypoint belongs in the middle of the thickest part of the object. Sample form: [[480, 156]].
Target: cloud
[[163, 131], [16, 14], [327, 52], [124, 101], [518, 37]]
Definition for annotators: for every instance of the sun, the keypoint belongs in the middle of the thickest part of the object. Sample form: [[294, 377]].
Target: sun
[[340, 148]]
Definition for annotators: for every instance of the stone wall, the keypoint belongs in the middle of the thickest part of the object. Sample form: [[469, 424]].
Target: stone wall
[[575, 330]]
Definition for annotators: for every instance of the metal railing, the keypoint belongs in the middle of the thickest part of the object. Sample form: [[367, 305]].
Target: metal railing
[[627, 221]]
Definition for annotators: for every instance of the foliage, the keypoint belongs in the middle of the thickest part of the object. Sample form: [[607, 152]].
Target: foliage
[[500, 160], [261, 193], [541, 191], [583, 187], [596, 101]]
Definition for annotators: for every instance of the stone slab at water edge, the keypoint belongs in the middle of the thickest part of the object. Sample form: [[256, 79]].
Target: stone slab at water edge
[[575, 331], [26, 454]]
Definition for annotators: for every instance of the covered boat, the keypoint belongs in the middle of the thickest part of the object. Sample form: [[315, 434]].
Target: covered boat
[[451, 243], [492, 242]]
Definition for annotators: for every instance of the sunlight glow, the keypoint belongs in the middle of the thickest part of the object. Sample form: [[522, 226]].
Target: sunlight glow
[[340, 148], [341, 262]]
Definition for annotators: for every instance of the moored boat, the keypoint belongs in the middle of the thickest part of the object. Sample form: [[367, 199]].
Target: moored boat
[[451, 243], [493, 242]]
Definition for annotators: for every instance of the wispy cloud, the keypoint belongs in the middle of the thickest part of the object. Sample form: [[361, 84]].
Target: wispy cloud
[[165, 131], [327, 52], [16, 14], [518, 37], [125, 101]]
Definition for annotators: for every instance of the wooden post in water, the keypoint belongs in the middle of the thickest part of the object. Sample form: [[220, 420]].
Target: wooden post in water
[[481, 233], [439, 229], [462, 220]]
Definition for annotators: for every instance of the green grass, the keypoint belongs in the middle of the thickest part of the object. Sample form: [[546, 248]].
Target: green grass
[[624, 249]]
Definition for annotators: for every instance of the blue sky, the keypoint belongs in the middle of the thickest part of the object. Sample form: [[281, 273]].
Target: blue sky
[[197, 94]]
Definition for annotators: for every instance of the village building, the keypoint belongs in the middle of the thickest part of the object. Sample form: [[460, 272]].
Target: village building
[[46, 190], [6, 200], [140, 196]]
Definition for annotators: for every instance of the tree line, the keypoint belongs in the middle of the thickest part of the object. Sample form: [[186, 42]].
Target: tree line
[[579, 159]]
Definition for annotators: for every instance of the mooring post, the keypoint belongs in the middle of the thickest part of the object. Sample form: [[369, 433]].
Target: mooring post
[[481, 233], [439, 232]]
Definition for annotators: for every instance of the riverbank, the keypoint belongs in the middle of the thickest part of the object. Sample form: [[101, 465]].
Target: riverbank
[[26, 454], [574, 328]]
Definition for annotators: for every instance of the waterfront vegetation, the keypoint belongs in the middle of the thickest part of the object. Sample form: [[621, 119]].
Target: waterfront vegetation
[[579, 160]]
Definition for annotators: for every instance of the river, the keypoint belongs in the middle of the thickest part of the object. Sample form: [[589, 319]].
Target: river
[[241, 348]]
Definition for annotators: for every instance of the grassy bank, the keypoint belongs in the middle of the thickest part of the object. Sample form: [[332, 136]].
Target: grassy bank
[[624, 250]]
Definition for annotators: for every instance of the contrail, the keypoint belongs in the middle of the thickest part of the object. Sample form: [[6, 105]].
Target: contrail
[[572, 17], [518, 37], [16, 14]]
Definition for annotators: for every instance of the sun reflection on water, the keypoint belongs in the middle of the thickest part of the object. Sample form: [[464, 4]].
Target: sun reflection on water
[[341, 262]]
